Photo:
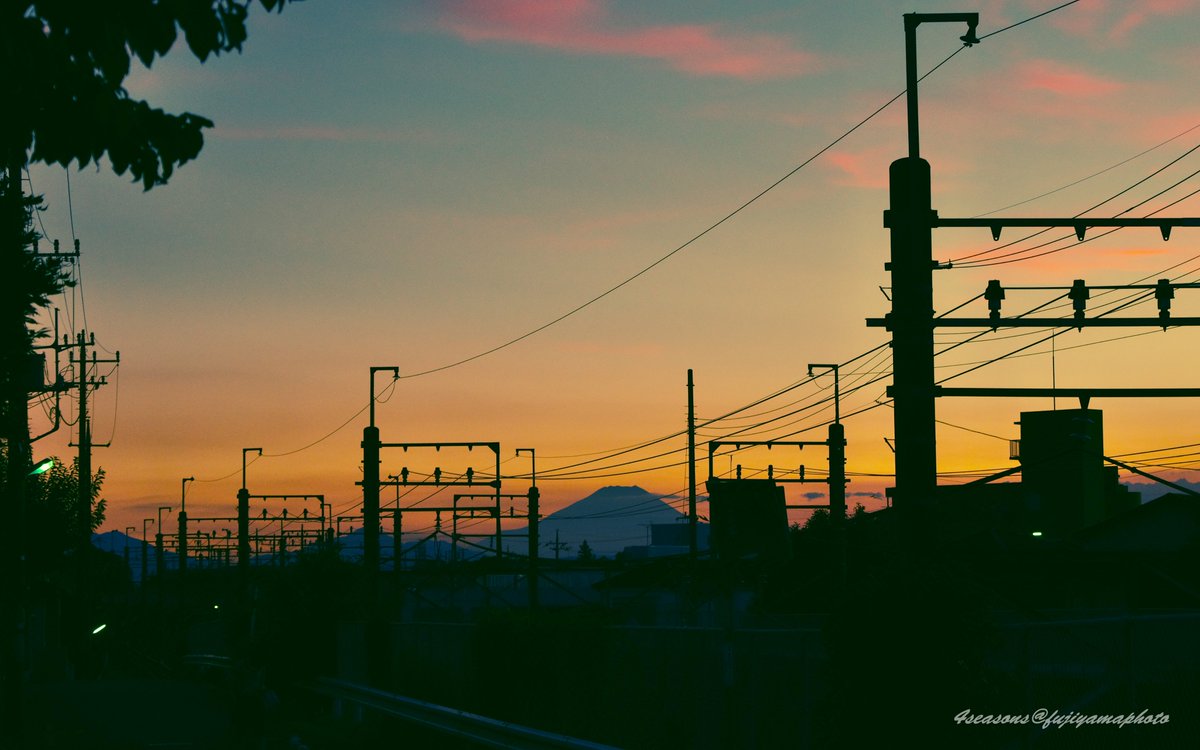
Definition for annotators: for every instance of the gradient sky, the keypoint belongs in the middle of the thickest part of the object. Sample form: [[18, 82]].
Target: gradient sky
[[414, 183]]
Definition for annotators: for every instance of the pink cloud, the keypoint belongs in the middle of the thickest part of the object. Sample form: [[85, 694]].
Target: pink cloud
[[1144, 10], [1057, 78], [861, 169], [1155, 129], [1115, 21], [586, 27]]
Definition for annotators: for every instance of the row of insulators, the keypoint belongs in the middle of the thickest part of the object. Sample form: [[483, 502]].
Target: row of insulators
[[1079, 294], [437, 475], [284, 513], [770, 472]]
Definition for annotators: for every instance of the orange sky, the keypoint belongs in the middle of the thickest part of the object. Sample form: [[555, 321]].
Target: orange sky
[[415, 184]]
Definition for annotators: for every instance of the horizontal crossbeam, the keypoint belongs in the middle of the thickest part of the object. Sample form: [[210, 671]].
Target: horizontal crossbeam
[[1068, 392], [1147, 322]]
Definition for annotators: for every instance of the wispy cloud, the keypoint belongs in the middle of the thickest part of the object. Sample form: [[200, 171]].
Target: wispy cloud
[[331, 133], [862, 169], [587, 27], [1064, 80], [1114, 22]]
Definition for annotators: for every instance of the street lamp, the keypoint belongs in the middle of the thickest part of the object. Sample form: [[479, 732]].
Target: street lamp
[[837, 407], [911, 22], [129, 532], [158, 541], [397, 528], [183, 492], [534, 549], [533, 463], [395, 376], [909, 217], [370, 481], [41, 467], [244, 452], [145, 561]]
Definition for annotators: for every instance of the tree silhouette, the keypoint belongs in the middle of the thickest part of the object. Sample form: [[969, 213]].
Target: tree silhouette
[[585, 552], [62, 71], [51, 522], [63, 65]]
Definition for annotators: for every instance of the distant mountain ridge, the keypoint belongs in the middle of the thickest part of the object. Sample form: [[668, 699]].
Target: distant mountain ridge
[[610, 519]]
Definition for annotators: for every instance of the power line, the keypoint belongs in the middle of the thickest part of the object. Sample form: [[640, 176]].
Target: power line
[[1007, 258], [689, 242], [991, 251], [1027, 20], [659, 261], [1121, 163]]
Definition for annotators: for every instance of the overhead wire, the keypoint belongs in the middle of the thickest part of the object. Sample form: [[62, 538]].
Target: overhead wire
[[966, 261], [1081, 180], [1084, 241], [711, 227], [651, 266], [675, 250]]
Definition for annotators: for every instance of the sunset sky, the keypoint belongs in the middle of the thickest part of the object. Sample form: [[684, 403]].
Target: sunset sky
[[416, 183]]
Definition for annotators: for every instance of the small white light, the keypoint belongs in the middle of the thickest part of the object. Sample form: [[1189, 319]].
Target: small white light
[[1037, 533], [100, 627], [216, 606]]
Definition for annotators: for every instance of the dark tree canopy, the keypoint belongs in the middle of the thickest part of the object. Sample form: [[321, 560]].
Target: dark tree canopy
[[52, 523], [26, 281], [63, 64]]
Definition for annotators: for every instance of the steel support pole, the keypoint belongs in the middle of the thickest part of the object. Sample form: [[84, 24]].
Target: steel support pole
[[183, 545], [243, 522], [370, 485], [534, 494], [911, 220], [912, 332], [837, 471]]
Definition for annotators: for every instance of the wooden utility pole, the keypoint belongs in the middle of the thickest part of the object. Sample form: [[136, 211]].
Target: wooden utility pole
[[85, 450], [87, 380]]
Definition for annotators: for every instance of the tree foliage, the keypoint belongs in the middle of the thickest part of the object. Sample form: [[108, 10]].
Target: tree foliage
[[63, 64], [26, 281], [585, 552], [51, 500]]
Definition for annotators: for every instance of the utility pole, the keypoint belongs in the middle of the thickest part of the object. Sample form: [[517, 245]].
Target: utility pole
[[243, 522], [129, 532], [181, 546], [145, 551], [557, 546], [158, 542], [534, 495], [85, 456], [397, 529], [837, 449], [85, 444], [693, 542], [370, 484], [911, 220]]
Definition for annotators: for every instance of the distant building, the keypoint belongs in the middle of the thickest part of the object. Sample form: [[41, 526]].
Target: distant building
[[749, 518], [668, 539], [1065, 484]]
